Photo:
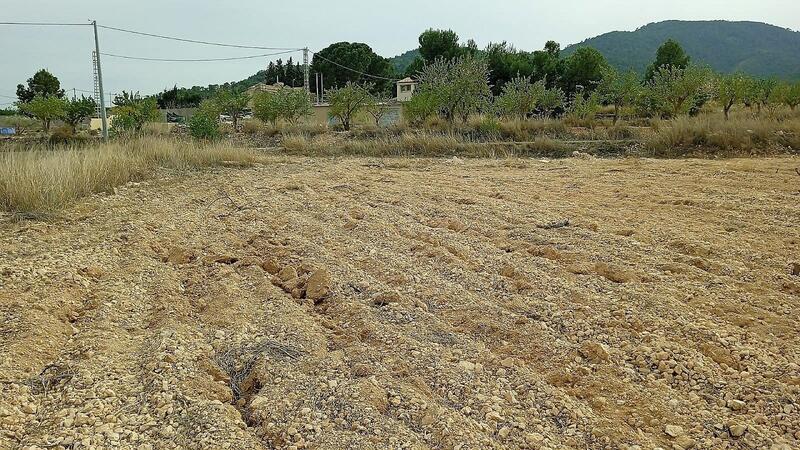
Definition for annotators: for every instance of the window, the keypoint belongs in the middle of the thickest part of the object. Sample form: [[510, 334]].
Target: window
[[405, 88]]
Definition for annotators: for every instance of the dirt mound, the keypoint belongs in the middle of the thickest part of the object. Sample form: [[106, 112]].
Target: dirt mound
[[412, 304]]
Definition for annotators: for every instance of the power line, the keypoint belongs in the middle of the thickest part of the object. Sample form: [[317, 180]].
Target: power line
[[193, 41], [46, 24], [354, 70], [8, 96], [197, 60]]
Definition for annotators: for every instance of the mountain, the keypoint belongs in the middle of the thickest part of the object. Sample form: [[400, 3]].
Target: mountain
[[401, 62], [755, 48]]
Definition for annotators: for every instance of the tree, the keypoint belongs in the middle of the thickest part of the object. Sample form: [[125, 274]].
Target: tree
[[674, 91], [551, 100], [127, 98], [791, 94], [204, 124], [584, 107], [765, 93], [505, 63], [548, 64], [77, 110], [286, 103], [460, 86], [618, 89], [45, 109], [435, 44], [421, 107], [670, 54], [348, 101], [520, 97], [345, 62], [42, 84], [377, 108], [232, 103], [729, 90], [134, 113], [584, 68]]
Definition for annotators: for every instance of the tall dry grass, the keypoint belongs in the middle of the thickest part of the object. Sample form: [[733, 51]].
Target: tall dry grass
[[419, 144], [39, 182], [742, 135]]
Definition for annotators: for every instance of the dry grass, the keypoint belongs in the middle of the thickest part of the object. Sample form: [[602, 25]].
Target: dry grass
[[419, 144], [38, 182], [742, 135]]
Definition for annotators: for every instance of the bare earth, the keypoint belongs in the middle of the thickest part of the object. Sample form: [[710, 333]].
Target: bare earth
[[450, 306]]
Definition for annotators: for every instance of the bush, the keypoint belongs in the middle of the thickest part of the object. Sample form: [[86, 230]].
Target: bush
[[203, 125], [131, 117], [63, 135]]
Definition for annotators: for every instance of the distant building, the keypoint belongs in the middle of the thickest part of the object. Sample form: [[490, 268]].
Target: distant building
[[406, 88]]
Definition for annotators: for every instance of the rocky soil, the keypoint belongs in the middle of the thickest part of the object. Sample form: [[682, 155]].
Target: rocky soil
[[411, 304]]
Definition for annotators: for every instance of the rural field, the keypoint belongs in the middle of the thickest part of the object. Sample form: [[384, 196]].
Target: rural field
[[449, 303]]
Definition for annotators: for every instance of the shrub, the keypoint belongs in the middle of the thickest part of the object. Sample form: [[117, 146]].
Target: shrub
[[204, 126], [288, 104], [63, 135], [131, 117]]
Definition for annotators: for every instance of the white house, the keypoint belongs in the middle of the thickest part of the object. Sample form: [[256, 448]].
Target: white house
[[405, 89]]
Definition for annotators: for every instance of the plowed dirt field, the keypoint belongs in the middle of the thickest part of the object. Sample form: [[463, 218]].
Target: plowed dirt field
[[411, 303]]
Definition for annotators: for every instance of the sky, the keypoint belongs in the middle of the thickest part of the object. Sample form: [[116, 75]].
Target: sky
[[389, 27]]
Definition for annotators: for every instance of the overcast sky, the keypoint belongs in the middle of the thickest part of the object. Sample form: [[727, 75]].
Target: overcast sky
[[389, 27]]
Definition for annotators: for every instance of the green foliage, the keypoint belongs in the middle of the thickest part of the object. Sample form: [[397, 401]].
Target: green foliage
[[204, 124], [506, 63], [286, 103], [232, 103], [520, 97], [131, 116], [551, 100], [670, 54], [674, 91], [791, 94], [584, 69], [45, 109], [730, 90], [423, 106], [290, 74], [436, 44], [459, 86], [178, 98], [583, 107], [77, 110], [402, 61], [618, 89], [357, 57], [348, 101], [42, 84]]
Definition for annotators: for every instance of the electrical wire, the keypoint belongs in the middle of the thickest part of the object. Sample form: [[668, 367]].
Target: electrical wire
[[219, 44], [46, 24], [193, 41], [353, 70], [8, 96], [138, 58]]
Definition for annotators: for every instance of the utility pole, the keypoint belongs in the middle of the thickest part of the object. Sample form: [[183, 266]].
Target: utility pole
[[103, 117], [306, 83]]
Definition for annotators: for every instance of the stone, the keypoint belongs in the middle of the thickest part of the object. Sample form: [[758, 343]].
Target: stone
[[736, 405], [738, 430], [685, 442], [93, 272], [271, 266], [673, 430], [318, 286], [287, 273], [594, 352], [467, 366]]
